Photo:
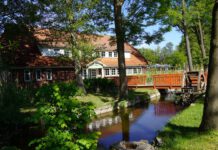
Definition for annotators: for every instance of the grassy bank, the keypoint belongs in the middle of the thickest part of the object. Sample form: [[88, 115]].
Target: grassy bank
[[181, 133], [102, 99]]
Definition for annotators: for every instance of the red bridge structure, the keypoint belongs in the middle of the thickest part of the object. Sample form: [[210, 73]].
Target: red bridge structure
[[195, 80]]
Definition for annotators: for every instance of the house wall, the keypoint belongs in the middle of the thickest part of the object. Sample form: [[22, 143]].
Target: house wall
[[58, 74]]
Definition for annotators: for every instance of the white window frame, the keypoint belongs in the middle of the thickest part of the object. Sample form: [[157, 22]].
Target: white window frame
[[36, 75], [110, 54], [135, 71], [27, 72], [102, 54], [93, 73], [107, 72], [129, 71], [139, 70], [117, 71], [113, 71], [47, 73], [115, 54]]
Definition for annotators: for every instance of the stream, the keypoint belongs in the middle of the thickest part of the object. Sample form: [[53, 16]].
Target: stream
[[143, 122]]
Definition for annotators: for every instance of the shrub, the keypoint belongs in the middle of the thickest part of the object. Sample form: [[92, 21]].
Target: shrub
[[100, 84], [65, 118]]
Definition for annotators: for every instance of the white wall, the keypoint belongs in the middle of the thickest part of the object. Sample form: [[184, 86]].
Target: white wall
[[127, 55]]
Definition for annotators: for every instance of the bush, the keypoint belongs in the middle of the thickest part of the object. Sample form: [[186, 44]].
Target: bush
[[100, 84], [64, 117]]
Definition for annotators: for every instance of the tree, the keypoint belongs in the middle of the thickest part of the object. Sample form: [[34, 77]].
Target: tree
[[200, 26], [19, 12], [210, 116], [71, 19], [150, 55], [123, 92], [131, 19]]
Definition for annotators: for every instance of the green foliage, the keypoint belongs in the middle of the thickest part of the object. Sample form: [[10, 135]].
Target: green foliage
[[100, 84], [165, 55], [177, 59], [64, 117], [138, 16]]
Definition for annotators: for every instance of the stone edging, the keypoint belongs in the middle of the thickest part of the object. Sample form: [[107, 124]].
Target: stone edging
[[109, 108]]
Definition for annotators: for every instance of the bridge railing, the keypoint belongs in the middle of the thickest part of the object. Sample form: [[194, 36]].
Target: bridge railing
[[168, 80], [132, 80]]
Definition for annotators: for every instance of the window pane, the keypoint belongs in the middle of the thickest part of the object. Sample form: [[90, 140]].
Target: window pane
[[27, 75], [49, 75], [135, 70], [102, 54], [110, 54], [115, 54], [113, 71], [107, 72], [139, 70], [38, 74]]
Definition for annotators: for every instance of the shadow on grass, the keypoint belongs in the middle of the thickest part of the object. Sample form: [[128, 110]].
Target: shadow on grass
[[183, 137]]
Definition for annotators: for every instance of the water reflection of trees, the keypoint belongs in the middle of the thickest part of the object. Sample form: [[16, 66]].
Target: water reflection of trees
[[109, 121], [165, 108]]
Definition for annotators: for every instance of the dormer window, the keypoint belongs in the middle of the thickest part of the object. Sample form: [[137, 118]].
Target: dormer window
[[56, 49]]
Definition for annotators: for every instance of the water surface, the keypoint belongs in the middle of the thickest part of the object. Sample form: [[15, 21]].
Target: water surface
[[134, 124]]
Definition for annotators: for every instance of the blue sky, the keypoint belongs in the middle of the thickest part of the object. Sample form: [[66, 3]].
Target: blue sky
[[173, 36]]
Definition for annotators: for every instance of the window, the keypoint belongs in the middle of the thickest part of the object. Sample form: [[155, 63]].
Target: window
[[117, 70], [56, 49], [84, 73], [68, 53], [113, 71], [115, 54], [49, 75], [135, 70], [27, 75], [110, 54], [93, 73], [38, 75], [102, 54], [139, 70], [107, 72], [129, 71]]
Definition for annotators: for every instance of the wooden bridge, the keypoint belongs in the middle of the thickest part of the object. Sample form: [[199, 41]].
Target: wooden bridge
[[194, 80]]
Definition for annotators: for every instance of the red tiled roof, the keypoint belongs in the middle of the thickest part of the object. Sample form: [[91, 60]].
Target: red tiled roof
[[113, 62], [27, 54], [107, 43]]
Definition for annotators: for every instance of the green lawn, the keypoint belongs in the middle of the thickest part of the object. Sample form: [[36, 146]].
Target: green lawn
[[182, 133], [98, 99], [102, 99]]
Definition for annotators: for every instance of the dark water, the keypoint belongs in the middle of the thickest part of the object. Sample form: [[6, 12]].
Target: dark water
[[140, 123]]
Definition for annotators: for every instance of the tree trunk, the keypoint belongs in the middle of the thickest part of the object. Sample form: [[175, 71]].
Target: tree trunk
[[78, 67], [187, 42], [200, 38], [210, 114], [79, 79], [123, 91]]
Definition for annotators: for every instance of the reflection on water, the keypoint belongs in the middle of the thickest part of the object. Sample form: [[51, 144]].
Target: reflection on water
[[134, 124]]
